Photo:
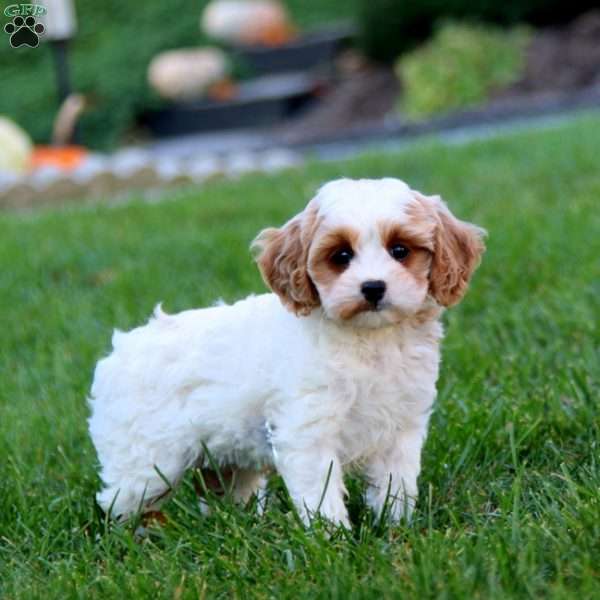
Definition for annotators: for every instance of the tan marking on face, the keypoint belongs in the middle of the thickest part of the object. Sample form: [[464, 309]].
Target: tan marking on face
[[416, 236], [416, 232], [323, 270], [351, 309]]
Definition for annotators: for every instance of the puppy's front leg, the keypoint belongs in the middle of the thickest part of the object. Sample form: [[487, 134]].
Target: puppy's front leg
[[392, 475], [312, 472], [314, 480]]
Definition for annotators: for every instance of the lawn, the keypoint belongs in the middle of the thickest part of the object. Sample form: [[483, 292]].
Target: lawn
[[510, 489]]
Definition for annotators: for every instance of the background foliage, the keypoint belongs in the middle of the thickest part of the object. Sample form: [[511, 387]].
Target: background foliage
[[390, 27], [459, 67], [116, 41], [114, 45]]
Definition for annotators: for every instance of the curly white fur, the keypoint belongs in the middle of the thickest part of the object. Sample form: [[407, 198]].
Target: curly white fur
[[262, 388]]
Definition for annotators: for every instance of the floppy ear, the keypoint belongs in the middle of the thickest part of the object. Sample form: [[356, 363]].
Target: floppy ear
[[282, 257], [457, 251]]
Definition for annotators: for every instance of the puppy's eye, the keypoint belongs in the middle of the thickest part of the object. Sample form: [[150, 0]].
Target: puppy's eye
[[342, 257], [399, 252]]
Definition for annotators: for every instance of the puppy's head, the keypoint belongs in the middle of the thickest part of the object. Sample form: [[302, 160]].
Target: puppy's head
[[370, 252]]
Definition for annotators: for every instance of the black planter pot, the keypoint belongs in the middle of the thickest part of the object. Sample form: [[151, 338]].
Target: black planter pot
[[261, 101], [312, 50]]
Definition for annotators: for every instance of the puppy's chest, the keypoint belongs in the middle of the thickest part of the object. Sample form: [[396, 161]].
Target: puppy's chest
[[381, 390]]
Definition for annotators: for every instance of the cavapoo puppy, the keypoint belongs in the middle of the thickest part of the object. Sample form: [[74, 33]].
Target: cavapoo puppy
[[334, 370]]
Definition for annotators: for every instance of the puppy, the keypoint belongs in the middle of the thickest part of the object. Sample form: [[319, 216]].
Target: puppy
[[334, 370]]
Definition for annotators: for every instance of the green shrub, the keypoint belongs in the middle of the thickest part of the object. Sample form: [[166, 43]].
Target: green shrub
[[459, 67], [390, 27]]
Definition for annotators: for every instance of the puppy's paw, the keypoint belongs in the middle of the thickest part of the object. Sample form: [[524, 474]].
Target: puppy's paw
[[332, 516], [398, 509], [392, 507]]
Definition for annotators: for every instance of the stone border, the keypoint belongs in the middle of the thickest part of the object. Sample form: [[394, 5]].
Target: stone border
[[107, 178], [508, 109]]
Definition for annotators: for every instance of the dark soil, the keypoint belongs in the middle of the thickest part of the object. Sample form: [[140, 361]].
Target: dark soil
[[361, 97], [561, 60]]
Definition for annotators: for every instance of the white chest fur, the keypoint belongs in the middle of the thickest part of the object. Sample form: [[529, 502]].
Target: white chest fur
[[382, 382]]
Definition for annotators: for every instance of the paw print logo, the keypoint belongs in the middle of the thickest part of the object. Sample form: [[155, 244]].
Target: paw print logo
[[24, 32]]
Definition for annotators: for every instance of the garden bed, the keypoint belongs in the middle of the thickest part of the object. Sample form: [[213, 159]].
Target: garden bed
[[562, 70], [287, 79]]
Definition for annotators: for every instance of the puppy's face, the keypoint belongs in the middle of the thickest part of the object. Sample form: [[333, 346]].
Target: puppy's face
[[371, 253]]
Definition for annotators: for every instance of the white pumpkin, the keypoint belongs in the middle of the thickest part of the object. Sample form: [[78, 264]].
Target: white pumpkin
[[15, 147], [251, 22], [186, 74]]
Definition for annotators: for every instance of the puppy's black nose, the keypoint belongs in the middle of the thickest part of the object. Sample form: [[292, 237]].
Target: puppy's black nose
[[373, 291]]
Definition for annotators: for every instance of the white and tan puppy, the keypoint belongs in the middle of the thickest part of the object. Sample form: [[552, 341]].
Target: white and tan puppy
[[335, 370]]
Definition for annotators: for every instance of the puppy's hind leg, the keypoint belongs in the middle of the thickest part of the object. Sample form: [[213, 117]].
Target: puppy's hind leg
[[129, 497], [135, 486], [248, 483], [242, 484]]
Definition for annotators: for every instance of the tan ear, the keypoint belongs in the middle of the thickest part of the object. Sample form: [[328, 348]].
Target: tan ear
[[458, 247], [282, 256]]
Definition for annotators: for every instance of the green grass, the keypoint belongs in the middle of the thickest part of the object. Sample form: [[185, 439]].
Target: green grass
[[510, 489]]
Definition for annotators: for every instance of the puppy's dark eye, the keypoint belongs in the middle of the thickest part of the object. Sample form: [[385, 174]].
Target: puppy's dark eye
[[342, 257], [399, 251]]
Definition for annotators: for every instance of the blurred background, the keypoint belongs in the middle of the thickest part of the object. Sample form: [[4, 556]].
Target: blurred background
[[102, 98]]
